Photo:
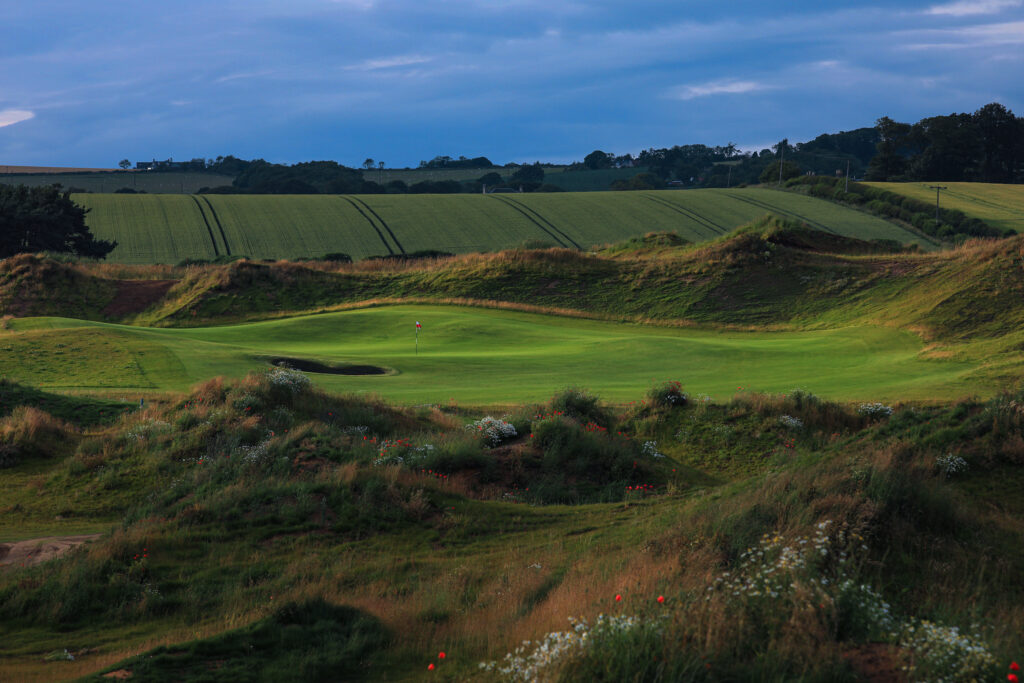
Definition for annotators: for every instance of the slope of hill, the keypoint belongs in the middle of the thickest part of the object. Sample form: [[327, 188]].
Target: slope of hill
[[1001, 206], [168, 229], [262, 529], [102, 180], [967, 305]]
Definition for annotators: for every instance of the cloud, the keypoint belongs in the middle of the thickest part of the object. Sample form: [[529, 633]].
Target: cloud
[[982, 35], [9, 117], [387, 63], [965, 8], [727, 87]]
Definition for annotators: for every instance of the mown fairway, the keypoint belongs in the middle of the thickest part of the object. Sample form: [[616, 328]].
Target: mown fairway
[[170, 228], [1001, 206], [483, 356]]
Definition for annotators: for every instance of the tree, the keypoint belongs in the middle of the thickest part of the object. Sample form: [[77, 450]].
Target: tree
[[368, 164], [889, 160], [598, 160], [1001, 147], [491, 179], [771, 173], [529, 173], [124, 164], [44, 219]]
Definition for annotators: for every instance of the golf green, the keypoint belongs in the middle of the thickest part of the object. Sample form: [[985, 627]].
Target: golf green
[[484, 356]]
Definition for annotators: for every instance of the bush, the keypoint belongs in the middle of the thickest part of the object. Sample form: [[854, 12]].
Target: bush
[[667, 394], [493, 431], [31, 433], [580, 404], [337, 257]]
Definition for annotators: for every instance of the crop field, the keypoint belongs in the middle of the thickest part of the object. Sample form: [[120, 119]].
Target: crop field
[[1001, 206], [481, 356], [154, 182], [167, 229]]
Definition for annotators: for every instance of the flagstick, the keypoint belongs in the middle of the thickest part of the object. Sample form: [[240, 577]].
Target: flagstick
[[417, 341]]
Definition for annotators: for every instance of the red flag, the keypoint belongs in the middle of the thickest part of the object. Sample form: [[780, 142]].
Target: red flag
[[418, 326]]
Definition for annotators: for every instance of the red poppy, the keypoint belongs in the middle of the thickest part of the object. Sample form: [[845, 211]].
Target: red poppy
[[661, 599], [618, 598], [440, 655], [1014, 666], [430, 667], [1012, 678]]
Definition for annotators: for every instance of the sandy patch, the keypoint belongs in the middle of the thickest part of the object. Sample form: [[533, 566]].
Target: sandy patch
[[36, 550]]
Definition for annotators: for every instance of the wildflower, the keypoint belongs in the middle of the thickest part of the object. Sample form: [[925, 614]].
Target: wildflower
[[430, 667], [1014, 666], [1012, 678], [661, 599], [618, 598], [440, 655]]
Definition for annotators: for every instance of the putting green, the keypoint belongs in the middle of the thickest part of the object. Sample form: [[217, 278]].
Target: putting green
[[486, 357]]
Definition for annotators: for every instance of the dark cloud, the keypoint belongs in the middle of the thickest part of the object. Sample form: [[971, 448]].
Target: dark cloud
[[512, 79]]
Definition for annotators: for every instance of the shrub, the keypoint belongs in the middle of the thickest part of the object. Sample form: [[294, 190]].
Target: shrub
[[874, 411], [667, 394], [493, 431], [579, 403], [950, 464], [31, 433]]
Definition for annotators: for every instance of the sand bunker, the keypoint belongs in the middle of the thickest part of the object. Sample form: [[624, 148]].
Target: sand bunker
[[315, 366], [36, 550]]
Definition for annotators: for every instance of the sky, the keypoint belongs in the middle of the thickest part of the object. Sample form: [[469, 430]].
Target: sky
[[88, 84]]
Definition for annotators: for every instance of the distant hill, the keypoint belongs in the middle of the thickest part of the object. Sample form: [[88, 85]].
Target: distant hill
[[51, 169]]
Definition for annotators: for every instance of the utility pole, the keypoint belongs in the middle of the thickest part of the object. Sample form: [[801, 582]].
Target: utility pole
[[847, 176], [782, 159], [728, 183], [938, 189]]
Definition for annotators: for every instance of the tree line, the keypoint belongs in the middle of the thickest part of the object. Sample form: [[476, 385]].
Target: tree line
[[986, 146]]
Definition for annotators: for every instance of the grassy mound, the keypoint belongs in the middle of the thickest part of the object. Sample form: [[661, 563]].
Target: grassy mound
[[244, 496], [312, 641], [34, 285]]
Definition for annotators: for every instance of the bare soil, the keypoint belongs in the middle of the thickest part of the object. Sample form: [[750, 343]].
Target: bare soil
[[135, 296], [36, 550]]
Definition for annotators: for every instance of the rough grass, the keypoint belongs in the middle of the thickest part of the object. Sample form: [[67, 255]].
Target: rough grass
[[216, 534]]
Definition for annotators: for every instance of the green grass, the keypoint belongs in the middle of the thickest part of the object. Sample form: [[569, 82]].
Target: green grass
[[148, 181], [481, 356], [1001, 206], [311, 563], [170, 228], [570, 181]]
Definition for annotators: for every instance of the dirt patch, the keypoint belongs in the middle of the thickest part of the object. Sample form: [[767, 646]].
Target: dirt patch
[[36, 550], [135, 296], [120, 674], [876, 663], [315, 366]]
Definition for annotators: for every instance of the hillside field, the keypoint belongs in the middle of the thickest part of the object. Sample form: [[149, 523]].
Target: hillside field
[[168, 229], [570, 181], [1001, 206], [153, 182], [484, 357]]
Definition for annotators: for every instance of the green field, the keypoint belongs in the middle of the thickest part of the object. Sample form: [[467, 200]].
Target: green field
[[140, 181], [571, 181], [168, 229], [481, 356], [1001, 206]]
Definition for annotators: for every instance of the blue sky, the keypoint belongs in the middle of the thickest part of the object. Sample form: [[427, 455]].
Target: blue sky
[[87, 84]]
